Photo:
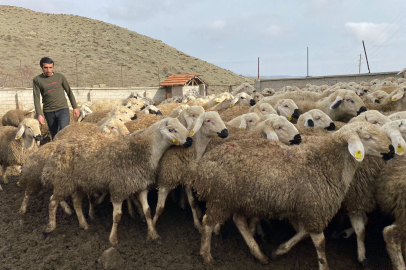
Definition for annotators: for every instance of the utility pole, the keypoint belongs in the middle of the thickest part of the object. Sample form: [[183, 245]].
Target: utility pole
[[307, 62], [366, 57], [258, 68], [359, 64]]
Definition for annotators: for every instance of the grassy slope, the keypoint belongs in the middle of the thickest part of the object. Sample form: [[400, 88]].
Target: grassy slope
[[100, 49]]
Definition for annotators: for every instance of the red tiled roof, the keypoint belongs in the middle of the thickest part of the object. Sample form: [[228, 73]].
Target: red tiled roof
[[178, 79]]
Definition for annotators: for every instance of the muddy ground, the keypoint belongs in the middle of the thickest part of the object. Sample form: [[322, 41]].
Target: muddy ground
[[23, 245]]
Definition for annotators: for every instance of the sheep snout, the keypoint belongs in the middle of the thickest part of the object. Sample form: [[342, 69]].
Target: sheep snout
[[390, 155], [361, 110], [252, 102], [38, 138], [188, 142], [223, 134], [296, 113], [377, 101], [134, 117], [159, 112], [310, 123], [332, 126], [296, 140]]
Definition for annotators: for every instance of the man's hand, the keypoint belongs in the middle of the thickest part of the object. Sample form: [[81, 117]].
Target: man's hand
[[41, 119], [76, 113]]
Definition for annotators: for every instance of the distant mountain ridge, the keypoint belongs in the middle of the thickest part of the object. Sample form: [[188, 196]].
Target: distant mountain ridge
[[101, 53]]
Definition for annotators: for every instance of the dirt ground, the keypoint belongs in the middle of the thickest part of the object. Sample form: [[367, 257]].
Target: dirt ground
[[23, 245]]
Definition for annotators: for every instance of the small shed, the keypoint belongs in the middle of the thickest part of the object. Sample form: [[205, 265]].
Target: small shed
[[179, 85]]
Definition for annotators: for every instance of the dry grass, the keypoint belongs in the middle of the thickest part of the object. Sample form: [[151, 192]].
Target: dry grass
[[101, 50]]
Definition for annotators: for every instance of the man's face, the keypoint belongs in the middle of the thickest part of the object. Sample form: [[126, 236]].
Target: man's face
[[47, 69]]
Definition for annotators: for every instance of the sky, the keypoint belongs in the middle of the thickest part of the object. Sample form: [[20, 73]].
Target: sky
[[233, 34]]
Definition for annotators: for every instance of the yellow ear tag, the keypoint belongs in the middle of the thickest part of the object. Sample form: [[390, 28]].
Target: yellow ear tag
[[231, 105], [401, 149], [176, 142], [358, 154], [289, 118], [218, 100], [18, 137], [394, 99], [191, 133], [243, 128]]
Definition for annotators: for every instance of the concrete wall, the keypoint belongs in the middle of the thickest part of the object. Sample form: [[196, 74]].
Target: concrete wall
[[22, 98], [321, 80]]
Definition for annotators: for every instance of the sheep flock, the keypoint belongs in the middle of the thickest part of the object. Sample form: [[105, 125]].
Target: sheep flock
[[309, 158]]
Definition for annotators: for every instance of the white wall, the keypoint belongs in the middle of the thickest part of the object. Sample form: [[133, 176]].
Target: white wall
[[22, 98]]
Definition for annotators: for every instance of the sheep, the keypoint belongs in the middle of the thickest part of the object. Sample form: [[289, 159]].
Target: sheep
[[189, 115], [268, 91], [14, 117], [175, 160], [317, 119], [288, 109], [398, 116], [135, 158], [32, 169], [246, 121], [340, 105], [390, 79], [257, 97], [242, 99], [233, 112], [108, 104], [264, 108], [142, 122], [175, 112], [390, 195], [244, 88], [376, 97], [101, 116], [84, 111], [374, 82], [386, 86], [17, 144], [373, 117], [151, 109], [219, 102], [308, 193], [395, 101], [403, 71], [168, 108]]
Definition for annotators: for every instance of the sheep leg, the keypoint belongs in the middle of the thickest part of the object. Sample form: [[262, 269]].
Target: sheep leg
[[162, 195], [393, 246], [358, 223], [4, 174], [23, 208], [152, 233], [205, 247], [65, 208], [242, 225], [92, 213], [53, 205], [287, 246], [117, 213], [193, 206], [138, 206], [320, 243], [77, 204], [130, 208]]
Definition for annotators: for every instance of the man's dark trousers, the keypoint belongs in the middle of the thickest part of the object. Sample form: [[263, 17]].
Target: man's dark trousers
[[57, 120]]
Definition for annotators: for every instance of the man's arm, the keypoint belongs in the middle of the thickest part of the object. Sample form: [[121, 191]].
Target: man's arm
[[37, 101], [69, 92]]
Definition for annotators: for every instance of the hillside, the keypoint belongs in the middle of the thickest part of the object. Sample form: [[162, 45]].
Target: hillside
[[103, 53]]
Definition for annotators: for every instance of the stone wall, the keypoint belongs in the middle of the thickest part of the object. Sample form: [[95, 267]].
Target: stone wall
[[22, 98], [321, 80]]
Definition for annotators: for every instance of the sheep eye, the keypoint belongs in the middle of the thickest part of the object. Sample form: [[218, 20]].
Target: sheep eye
[[208, 121], [374, 122], [263, 110], [367, 138], [250, 121], [242, 97], [286, 106], [279, 128], [317, 118], [171, 130]]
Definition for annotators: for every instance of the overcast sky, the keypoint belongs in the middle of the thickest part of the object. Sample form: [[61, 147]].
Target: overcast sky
[[232, 34]]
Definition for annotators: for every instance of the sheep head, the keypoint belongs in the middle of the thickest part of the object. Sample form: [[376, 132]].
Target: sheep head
[[288, 109], [373, 117], [151, 109], [189, 115], [364, 138], [29, 130], [249, 120], [377, 96], [84, 111], [210, 124], [114, 126], [396, 131], [134, 104], [243, 99], [278, 128], [264, 108], [317, 119], [347, 102], [174, 132]]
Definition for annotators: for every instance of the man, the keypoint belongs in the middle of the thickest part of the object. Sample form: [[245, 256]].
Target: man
[[51, 87]]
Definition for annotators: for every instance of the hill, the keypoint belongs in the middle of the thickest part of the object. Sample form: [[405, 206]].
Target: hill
[[102, 53]]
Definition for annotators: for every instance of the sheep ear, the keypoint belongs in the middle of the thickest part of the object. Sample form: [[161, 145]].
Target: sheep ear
[[243, 124], [20, 131], [356, 148], [198, 125], [336, 103], [398, 95], [189, 120], [399, 143], [271, 135], [234, 101]]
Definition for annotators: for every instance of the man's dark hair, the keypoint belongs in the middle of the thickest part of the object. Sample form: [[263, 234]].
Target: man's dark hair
[[46, 60]]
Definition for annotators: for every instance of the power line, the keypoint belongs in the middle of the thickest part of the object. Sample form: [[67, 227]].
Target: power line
[[347, 66], [394, 40], [386, 41]]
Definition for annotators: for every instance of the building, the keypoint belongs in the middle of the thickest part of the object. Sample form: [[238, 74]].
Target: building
[[179, 85]]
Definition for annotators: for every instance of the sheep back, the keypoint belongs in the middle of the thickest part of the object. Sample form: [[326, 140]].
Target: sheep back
[[143, 121], [95, 117], [15, 117]]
